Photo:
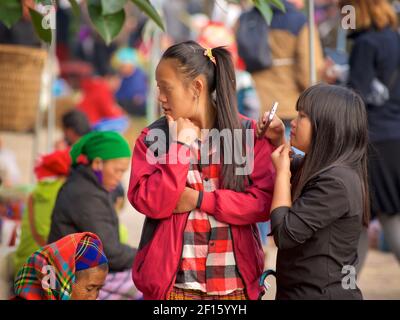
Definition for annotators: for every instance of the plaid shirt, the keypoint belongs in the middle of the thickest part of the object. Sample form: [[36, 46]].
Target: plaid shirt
[[208, 262]]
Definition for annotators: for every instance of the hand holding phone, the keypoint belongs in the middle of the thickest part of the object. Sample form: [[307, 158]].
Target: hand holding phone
[[263, 126]]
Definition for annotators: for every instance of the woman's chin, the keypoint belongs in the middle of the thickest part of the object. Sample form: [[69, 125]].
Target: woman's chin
[[292, 142]]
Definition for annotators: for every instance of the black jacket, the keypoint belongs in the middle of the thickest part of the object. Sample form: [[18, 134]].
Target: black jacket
[[376, 54], [318, 236], [84, 205]]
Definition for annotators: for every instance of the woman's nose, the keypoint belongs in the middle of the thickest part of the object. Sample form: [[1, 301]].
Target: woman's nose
[[162, 98], [293, 123]]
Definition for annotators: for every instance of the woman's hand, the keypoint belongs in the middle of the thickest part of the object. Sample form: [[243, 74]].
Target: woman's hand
[[187, 201], [281, 159], [183, 130], [275, 132]]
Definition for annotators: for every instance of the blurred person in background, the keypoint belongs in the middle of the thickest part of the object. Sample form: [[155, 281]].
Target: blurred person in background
[[51, 172], [132, 92], [22, 32], [10, 174], [374, 74], [216, 34], [289, 75], [74, 125], [327, 17], [99, 104], [84, 203]]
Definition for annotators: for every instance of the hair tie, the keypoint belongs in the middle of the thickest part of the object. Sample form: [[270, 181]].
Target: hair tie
[[208, 53]]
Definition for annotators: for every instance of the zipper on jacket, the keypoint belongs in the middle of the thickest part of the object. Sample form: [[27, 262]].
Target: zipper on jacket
[[237, 265]]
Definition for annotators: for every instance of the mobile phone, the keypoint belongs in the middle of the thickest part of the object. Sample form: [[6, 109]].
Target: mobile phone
[[270, 118]]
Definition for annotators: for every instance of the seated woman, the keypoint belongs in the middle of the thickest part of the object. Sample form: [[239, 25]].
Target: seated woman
[[51, 172], [84, 203], [72, 268]]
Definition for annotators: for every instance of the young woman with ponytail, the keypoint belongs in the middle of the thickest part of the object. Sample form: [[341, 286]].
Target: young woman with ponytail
[[200, 239]]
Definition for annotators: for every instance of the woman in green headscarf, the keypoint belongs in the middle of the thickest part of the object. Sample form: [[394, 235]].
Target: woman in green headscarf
[[84, 203]]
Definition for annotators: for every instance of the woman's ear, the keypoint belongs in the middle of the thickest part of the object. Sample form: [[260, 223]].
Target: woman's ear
[[198, 86], [97, 164]]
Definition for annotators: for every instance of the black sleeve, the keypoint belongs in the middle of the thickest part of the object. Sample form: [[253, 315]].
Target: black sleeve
[[319, 205], [362, 67], [95, 216]]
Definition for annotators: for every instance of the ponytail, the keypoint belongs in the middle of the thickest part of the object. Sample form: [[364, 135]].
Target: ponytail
[[227, 114]]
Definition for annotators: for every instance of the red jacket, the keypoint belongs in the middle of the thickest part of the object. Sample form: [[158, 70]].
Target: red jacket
[[155, 189], [98, 102]]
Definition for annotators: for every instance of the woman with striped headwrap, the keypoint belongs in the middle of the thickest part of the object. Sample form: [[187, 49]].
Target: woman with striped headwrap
[[72, 268]]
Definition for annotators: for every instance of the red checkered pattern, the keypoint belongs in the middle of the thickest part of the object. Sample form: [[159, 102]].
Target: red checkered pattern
[[208, 262]]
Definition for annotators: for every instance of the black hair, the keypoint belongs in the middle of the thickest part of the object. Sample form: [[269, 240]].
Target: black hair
[[77, 121], [221, 85], [339, 136]]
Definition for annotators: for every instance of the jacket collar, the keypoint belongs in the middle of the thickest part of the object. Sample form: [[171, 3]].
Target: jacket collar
[[357, 33], [88, 174]]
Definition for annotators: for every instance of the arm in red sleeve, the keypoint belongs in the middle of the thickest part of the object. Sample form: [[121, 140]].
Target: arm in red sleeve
[[154, 189], [252, 205]]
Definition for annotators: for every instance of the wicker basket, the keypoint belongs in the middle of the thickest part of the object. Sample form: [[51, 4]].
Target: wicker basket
[[20, 78]]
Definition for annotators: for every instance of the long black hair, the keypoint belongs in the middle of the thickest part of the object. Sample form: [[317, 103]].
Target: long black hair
[[221, 87], [339, 136]]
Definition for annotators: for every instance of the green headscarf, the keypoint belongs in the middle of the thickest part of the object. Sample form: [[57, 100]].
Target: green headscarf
[[105, 145]]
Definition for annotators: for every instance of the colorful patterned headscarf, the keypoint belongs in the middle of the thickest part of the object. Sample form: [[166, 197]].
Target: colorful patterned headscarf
[[49, 272], [89, 254]]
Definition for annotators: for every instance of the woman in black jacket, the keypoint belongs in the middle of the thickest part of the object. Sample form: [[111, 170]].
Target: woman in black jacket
[[84, 204], [375, 62], [316, 224]]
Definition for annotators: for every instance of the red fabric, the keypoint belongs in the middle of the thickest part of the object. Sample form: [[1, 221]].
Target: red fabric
[[56, 164], [98, 101], [154, 190], [53, 165]]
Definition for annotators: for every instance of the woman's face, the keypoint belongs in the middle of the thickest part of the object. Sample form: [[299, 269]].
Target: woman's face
[[176, 98], [300, 133], [89, 283], [111, 171]]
